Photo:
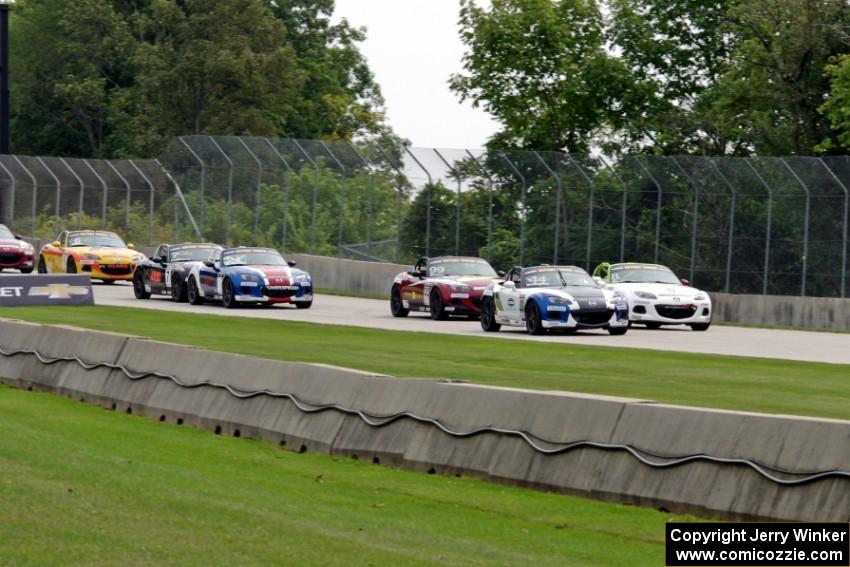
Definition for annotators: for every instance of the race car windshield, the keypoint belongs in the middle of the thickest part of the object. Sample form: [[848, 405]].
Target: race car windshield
[[5, 232], [106, 240], [461, 268], [644, 275], [557, 278], [253, 259], [194, 254]]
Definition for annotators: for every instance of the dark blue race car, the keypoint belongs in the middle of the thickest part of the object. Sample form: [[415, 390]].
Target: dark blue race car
[[250, 275]]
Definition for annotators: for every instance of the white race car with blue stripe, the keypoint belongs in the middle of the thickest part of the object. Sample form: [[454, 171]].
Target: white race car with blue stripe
[[541, 298]]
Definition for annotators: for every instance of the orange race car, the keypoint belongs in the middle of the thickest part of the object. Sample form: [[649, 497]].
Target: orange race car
[[101, 254]]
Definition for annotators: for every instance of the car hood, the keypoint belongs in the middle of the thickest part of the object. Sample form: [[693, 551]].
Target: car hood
[[106, 252], [9, 242], [586, 297], [659, 289], [276, 275], [472, 281]]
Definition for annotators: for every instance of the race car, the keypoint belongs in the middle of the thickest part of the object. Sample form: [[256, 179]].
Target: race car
[[101, 254], [15, 252], [165, 273], [656, 296], [541, 298], [249, 275], [442, 286]]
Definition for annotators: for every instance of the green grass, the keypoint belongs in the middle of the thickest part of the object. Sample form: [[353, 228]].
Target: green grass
[[750, 384], [83, 485]]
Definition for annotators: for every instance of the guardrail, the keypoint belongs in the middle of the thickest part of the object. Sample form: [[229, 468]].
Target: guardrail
[[714, 463]]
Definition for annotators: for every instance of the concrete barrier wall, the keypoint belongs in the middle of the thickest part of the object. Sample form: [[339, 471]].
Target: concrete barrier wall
[[349, 275], [809, 312], [705, 488]]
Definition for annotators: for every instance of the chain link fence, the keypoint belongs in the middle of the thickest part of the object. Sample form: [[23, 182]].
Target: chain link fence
[[741, 225]]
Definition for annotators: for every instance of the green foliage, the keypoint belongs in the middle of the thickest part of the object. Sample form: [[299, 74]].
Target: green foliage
[[682, 76], [540, 67], [111, 78], [837, 107]]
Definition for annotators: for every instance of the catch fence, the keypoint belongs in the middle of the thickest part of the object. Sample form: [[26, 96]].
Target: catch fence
[[741, 225]]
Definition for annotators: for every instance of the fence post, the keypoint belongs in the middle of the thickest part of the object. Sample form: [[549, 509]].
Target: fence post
[[285, 176], [102, 186], [229, 189], [523, 215], [34, 193], [127, 187], [731, 223], [660, 194], [182, 200], [257, 201], [805, 226], [769, 223], [428, 204], [12, 198], [315, 195], [151, 191], [843, 225], [58, 187], [341, 195], [622, 208], [589, 209], [696, 188], [369, 197], [489, 205], [82, 190], [398, 201], [557, 206], [457, 202], [203, 180]]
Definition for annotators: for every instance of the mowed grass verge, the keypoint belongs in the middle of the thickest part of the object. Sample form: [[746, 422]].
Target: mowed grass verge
[[748, 384], [84, 485]]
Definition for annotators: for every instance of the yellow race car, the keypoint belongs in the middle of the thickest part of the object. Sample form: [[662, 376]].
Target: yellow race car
[[101, 254]]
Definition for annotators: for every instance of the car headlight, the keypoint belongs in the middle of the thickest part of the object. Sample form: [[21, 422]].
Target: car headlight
[[699, 297], [249, 278], [645, 295], [138, 258], [460, 287], [91, 256], [302, 278], [556, 300]]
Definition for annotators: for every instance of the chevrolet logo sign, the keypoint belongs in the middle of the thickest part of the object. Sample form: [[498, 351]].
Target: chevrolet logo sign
[[58, 291]]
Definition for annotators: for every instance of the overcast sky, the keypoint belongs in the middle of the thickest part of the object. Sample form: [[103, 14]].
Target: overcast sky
[[413, 47]]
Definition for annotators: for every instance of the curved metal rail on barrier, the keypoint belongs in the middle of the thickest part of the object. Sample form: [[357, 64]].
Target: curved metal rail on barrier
[[377, 420]]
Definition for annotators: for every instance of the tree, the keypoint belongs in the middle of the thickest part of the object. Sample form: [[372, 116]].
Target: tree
[[541, 67], [115, 78], [339, 98]]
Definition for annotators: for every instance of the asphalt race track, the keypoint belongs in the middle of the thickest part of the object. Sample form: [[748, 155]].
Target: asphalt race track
[[371, 313]]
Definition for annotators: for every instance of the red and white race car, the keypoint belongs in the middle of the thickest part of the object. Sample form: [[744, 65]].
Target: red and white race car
[[443, 286]]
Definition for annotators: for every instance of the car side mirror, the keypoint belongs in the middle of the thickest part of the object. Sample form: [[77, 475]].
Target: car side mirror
[[18, 237], [510, 285], [56, 243], [209, 264], [685, 282], [292, 264], [130, 245], [598, 280], [162, 259], [500, 273]]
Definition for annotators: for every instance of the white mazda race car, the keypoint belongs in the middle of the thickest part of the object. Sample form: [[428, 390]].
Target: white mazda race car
[[656, 296], [553, 297]]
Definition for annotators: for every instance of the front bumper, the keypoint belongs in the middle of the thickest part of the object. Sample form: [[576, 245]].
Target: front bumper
[[562, 317], [294, 293], [15, 259], [668, 313], [115, 271], [462, 303]]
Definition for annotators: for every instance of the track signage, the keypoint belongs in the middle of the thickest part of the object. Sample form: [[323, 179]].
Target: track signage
[[45, 289]]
